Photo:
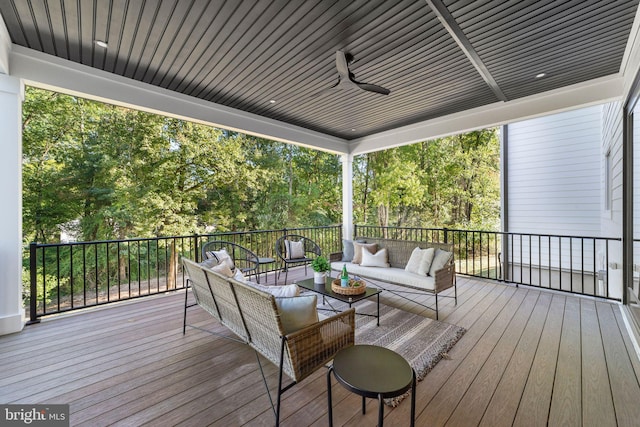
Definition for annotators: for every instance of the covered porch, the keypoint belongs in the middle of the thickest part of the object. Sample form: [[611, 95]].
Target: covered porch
[[529, 357], [451, 67]]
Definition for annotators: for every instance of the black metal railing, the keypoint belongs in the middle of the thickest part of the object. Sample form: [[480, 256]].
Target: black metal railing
[[70, 276], [576, 264]]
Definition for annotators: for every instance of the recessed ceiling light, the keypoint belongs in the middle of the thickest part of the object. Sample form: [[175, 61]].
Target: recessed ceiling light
[[273, 101], [541, 75], [101, 43]]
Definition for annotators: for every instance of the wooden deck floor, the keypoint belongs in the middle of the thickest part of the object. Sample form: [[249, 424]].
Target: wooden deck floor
[[529, 358]]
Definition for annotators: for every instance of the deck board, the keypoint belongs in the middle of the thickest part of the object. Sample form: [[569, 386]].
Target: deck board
[[476, 399], [449, 396], [597, 403], [129, 364], [535, 402], [626, 393], [504, 402], [566, 406]]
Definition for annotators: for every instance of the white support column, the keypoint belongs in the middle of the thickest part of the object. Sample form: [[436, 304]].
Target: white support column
[[5, 47], [11, 310], [504, 198], [347, 196]]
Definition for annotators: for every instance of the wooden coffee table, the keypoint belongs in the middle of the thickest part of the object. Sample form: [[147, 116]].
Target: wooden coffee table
[[325, 291]]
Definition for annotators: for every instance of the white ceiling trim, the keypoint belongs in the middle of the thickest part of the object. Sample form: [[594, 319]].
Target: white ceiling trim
[[631, 58], [5, 47], [49, 72], [597, 91]]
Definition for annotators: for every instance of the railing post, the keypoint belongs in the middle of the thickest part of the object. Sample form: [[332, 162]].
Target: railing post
[[446, 237], [33, 293], [195, 247]]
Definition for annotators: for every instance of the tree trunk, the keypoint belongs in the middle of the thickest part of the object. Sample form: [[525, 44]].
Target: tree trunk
[[383, 218], [365, 191]]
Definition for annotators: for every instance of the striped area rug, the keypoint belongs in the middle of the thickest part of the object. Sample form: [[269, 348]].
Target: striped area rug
[[422, 341]]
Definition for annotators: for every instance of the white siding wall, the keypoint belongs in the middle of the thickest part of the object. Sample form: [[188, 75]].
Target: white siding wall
[[554, 174], [555, 179]]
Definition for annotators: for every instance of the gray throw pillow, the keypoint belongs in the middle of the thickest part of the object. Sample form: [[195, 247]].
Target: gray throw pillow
[[294, 250], [297, 312], [347, 250]]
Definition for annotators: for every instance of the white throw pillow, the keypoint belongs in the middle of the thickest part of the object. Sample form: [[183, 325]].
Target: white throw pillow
[[294, 250], [414, 261], [222, 256], [426, 260], [359, 248], [277, 291], [223, 268], [239, 276], [379, 259], [209, 263], [440, 259]]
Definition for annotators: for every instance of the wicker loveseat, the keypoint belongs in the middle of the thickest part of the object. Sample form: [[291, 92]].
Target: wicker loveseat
[[263, 322], [399, 253]]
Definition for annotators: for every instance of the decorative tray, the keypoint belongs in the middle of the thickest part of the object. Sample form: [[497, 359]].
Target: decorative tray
[[356, 287]]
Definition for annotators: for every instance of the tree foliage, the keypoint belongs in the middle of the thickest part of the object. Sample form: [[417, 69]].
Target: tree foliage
[[446, 182], [107, 172]]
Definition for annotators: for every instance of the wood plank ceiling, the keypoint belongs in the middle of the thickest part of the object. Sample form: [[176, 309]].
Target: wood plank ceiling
[[436, 56]]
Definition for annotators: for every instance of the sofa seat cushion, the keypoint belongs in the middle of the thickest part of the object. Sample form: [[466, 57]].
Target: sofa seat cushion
[[391, 275]]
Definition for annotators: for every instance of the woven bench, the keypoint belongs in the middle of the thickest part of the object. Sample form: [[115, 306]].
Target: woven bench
[[263, 322]]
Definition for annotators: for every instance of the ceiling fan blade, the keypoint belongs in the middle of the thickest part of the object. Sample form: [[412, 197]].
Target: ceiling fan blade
[[342, 65], [327, 89], [373, 88], [346, 79]]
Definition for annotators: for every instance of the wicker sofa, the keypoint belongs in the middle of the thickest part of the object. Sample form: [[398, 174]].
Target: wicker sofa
[[399, 253], [270, 325]]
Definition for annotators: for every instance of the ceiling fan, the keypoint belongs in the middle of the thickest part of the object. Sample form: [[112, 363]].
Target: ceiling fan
[[347, 80]]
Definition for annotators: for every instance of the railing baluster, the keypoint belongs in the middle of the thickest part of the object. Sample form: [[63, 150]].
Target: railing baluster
[[84, 274], [108, 264], [560, 261], [148, 257], [58, 276], [157, 264], [549, 261], [95, 257], [530, 264], [119, 269], [71, 273]]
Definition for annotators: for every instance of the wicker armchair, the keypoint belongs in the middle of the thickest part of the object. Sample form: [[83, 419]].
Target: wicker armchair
[[253, 315], [310, 251], [243, 258]]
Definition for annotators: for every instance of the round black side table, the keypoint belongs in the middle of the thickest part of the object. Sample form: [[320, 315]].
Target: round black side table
[[374, 372]]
